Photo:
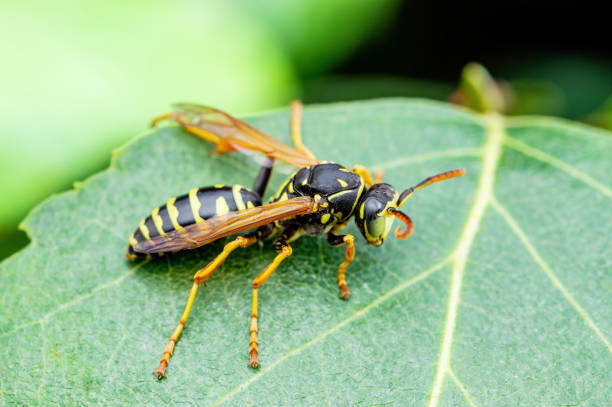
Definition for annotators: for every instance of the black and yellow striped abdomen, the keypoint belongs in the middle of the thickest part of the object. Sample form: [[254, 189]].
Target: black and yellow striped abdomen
[[195, 207]]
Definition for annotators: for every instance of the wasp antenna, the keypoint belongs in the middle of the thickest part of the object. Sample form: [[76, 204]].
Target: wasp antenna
[[407, 221], [458, 172]]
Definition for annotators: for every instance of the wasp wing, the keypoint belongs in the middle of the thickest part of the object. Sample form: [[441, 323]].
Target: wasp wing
[[231, 134], [231, 223]]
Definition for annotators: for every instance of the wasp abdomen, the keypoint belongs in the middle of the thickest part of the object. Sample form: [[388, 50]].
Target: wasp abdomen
[[194, 207]]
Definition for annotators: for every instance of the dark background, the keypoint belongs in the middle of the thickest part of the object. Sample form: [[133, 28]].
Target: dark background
[[434, 40]]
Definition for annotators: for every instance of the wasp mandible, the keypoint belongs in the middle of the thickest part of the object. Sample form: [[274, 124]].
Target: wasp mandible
[[319, 198]]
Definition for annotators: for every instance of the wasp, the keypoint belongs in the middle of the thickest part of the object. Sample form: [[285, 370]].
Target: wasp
[[319, 198]]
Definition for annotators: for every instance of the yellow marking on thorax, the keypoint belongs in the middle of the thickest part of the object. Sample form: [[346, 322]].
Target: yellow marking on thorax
[[283, 197], [250, 204], [290, 187], [304, 181], [361, 210], [195, 204], [358, 197], [173, 213], [283, 186], [159, 223], [238, 197], [133, 241], [222, 207], [337, 194], [342, 182], [144, 230], [219, 186], [278, 193], [325, 218]]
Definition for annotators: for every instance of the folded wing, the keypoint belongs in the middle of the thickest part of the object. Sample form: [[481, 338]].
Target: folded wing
[[231, 134], [231, 223]]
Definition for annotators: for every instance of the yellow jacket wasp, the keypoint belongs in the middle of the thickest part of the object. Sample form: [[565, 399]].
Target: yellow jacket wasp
[[319, 198]]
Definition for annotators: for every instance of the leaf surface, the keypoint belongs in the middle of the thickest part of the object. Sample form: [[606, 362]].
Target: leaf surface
[[500, 298]]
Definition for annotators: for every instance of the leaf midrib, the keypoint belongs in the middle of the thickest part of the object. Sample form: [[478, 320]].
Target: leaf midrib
[[484, 193]]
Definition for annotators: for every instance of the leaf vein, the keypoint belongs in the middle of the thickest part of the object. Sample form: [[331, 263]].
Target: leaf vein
[[557, 163], [464, 391], [76, 300], [548, 271]]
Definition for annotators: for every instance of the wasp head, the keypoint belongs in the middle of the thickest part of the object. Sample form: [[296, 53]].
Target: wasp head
[[374, 214], [379, 205]]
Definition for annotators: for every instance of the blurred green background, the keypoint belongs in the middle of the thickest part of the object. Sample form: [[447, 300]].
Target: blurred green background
[[80, 78]]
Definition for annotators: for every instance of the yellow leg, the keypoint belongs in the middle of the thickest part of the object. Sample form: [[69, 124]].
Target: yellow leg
[[254, 362], [206, 135], [349, 255], [160, 118], [296, 129], [199, 278], [240, 241], [259, 280], [365, 174]]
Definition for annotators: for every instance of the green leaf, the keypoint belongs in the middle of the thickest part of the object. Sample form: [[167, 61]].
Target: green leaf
[[500, 298]]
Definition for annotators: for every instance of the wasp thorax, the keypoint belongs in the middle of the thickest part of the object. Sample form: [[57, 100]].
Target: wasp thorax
[[372, 216]]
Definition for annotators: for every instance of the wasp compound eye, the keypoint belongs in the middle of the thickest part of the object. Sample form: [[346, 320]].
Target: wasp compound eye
[[373, 218]]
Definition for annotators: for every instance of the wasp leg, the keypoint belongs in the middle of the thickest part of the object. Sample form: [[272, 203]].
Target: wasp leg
[[365, 174], [349, 255], [208, 136], [296, 129], [160, 118], [282, 246], [199, 278], [367, 177], [258, 282]]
